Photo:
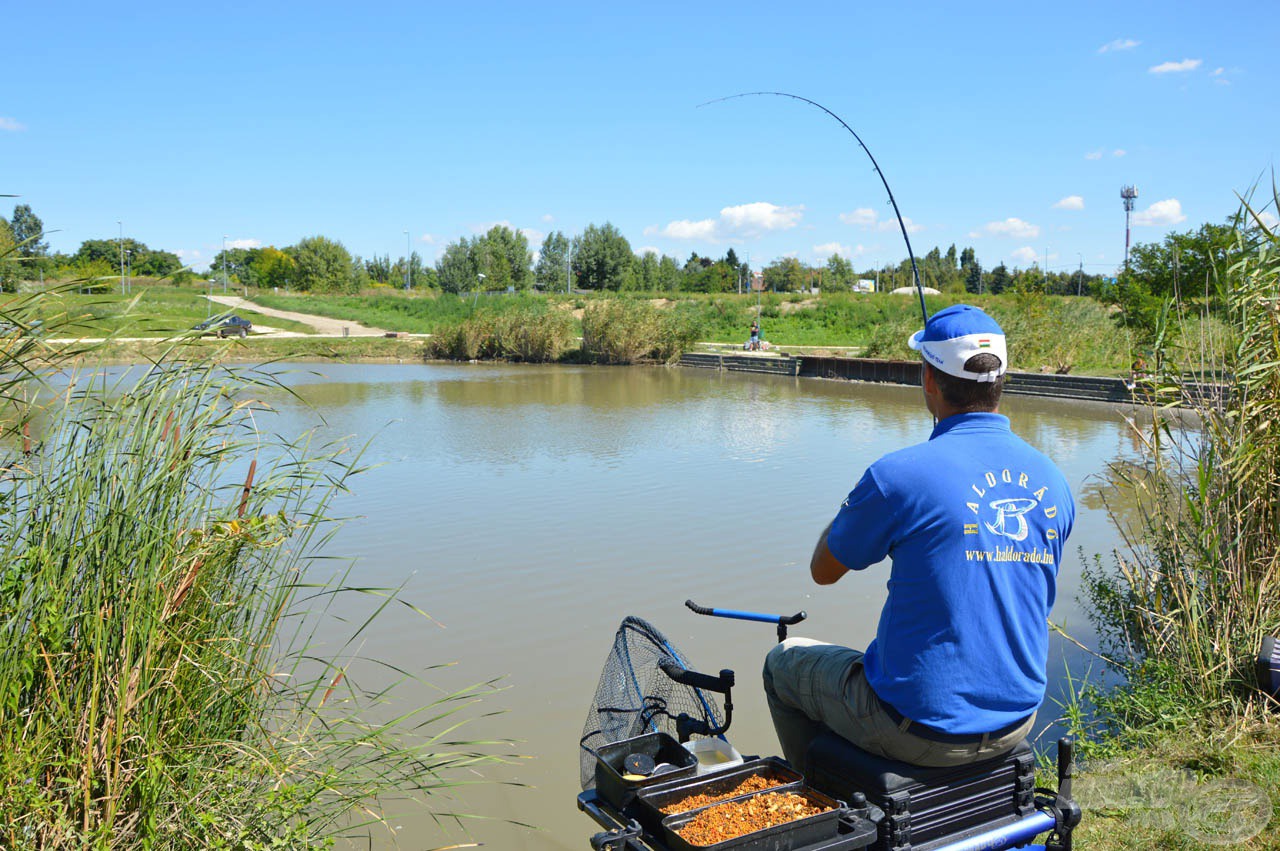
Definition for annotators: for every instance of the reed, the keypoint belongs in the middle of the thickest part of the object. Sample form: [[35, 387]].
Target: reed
[[160, 679], [533, 332], [624, 331], [1184, 607]]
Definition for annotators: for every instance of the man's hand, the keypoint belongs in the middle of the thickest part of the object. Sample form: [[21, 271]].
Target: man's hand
[[825, 568]]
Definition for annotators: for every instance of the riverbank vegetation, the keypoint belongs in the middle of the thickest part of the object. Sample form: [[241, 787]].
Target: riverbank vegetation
[[163, 678], [1182, 611]]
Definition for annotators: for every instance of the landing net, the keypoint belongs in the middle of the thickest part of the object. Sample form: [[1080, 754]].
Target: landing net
[[635, 697]]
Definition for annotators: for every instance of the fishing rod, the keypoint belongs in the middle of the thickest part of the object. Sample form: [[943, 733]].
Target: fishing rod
[[915, 271]]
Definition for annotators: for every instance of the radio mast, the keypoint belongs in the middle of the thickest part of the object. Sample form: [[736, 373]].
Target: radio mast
[[1127, 194]]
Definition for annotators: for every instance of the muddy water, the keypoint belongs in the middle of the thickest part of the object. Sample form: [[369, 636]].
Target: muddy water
[[529, 509]]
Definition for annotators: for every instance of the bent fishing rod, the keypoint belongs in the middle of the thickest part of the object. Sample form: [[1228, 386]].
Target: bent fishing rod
[[915, 271]]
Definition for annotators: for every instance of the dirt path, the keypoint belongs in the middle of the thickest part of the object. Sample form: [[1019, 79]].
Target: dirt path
[[325, 327]]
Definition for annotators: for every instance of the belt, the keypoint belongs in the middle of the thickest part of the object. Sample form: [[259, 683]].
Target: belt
[[933, 734]]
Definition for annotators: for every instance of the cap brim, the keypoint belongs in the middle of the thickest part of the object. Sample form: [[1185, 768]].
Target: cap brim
[[914, 341]]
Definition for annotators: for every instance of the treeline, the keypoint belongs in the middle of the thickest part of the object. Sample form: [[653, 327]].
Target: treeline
[[600, 258], [25, 255]]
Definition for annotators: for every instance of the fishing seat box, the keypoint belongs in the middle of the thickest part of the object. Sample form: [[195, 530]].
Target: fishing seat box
[[925, 808]]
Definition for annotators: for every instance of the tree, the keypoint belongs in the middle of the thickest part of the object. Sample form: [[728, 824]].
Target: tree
[[786, 275], [647, 271], [668, 274], [1184, 263], [731, 257], [602, 257], [156, 264], [973, 277], [323, 265], [839, 274], [1000, 279], [551, 273], [274, 268], [455, 270], [9, 271], [26, 229], [502, 255]]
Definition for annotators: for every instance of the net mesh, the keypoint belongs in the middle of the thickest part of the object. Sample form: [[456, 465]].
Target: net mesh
[[634, 696]]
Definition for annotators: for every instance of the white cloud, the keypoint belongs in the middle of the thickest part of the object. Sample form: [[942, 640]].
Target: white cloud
[[867, 218], [1026, 255], [911, 226], [829, 248], [535, 237], [244, 243], [1176, 67], [685, 229], [1161, 213], [761, 216], [428, 239], [1093, 155], [1071, 202], [648, 248], [742, 221], [11, 124], [1013, 227], [1269, 219], [548, 218], [1217, 72], [1119, 152], [193, 257], [862, 217], [1119, 44]]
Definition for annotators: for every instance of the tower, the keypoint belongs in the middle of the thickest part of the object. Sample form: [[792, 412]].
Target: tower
[[1127, 194]]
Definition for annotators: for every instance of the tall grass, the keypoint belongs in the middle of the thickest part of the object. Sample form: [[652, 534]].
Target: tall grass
[[1184, 608], [160, 682], [625, 331], [535, 332]]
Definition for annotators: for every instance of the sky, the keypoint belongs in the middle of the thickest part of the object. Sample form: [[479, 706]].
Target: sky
[[1008, 127]]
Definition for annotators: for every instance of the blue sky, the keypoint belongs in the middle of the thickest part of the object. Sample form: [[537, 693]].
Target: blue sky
[[1010, 128]]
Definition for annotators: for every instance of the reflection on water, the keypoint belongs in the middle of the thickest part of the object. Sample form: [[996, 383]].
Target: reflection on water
[[529, 509]]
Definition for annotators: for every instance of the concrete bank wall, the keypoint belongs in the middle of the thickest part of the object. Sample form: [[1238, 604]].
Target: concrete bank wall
[[1086, 388]]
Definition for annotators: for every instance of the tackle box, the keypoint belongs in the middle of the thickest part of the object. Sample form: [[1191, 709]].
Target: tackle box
[[662, 748], [926, 807]]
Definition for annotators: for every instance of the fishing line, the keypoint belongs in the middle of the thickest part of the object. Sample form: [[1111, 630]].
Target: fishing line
[[915, 272]]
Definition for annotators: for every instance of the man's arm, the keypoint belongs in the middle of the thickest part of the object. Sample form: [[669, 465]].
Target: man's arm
[[825, 568]]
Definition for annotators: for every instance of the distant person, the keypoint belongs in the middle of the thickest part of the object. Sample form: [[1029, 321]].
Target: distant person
[[754, 342], [974, 521]]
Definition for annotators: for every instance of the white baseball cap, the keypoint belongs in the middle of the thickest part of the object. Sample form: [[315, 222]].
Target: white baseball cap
[[957, 333]]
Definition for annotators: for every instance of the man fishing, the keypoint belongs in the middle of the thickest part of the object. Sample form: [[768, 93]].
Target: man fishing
[[974, 521]]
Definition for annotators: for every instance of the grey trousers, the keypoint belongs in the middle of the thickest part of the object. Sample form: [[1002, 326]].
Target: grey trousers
[[813, 688]]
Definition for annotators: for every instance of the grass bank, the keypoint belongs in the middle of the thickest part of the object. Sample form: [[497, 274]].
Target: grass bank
[[259, 350], [152, 308], [1049, 333]]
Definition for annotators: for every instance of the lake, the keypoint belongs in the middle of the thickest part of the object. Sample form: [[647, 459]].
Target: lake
[[528, 509]]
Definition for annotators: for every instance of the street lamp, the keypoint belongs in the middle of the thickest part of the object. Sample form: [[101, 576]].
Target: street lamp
[[129, 257], [408, 267], [1080, 274], [224, 264], [121, 226]]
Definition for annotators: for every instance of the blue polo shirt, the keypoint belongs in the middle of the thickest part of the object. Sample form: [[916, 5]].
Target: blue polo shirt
[[974, 520]]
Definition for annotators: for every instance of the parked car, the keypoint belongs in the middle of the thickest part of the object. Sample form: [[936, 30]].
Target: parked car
[[225, 326]]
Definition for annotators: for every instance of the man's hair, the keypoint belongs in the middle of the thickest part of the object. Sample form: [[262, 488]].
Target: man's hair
[[971, 396]]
